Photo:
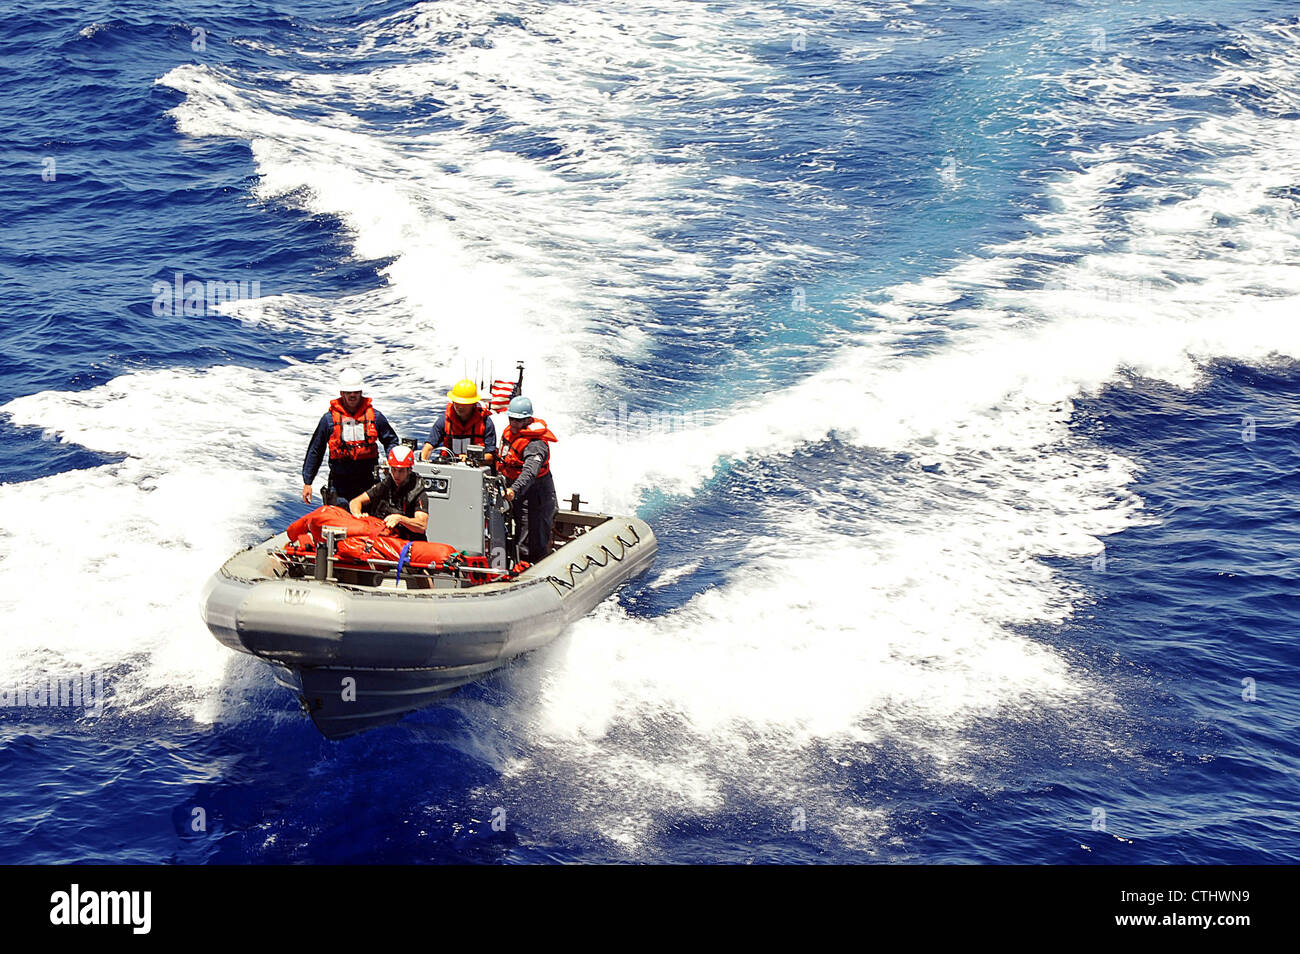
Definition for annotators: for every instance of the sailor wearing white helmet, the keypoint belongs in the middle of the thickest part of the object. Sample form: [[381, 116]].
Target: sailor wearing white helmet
[[351, 430]]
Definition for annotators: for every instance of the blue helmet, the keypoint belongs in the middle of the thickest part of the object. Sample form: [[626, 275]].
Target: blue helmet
[[520, 407]]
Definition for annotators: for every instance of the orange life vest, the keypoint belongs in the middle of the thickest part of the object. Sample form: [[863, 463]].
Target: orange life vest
[[367, 449], [453, 428], [514, 443]]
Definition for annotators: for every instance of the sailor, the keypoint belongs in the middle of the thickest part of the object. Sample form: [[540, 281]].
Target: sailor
[[464, 421], [398, 499], [526, 463], [351, 430]]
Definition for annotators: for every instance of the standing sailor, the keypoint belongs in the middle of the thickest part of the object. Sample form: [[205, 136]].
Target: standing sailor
[[351, 430], [464, 421], [526, 463]]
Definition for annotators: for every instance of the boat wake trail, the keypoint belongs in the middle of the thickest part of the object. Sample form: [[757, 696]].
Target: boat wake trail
[[880, 618]]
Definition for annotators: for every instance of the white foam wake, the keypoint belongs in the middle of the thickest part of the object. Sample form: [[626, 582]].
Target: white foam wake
[[892, 620]]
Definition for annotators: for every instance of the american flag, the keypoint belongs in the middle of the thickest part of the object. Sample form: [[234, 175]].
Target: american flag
[[502, 392]]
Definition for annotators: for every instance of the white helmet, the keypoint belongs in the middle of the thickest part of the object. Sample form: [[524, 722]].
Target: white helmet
[[350, 380]]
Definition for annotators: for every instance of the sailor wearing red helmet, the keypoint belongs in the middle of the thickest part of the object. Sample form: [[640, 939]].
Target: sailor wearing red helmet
[[399, 499]]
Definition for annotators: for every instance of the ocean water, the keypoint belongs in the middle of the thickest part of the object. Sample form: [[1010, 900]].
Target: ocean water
[[950, 349]]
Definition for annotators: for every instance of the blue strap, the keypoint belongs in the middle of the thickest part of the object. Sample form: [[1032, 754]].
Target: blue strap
[[401, 560]]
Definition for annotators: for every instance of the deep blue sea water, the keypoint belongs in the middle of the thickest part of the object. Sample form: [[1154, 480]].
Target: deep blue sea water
[[951, 350]]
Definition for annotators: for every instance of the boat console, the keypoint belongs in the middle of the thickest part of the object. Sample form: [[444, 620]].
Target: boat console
[[468, 508]]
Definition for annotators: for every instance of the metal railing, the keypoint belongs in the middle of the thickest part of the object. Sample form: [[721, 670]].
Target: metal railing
[[325, 565]]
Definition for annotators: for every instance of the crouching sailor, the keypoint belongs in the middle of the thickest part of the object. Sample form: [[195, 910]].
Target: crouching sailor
[[526, 463], [352, 430], [399, 499]]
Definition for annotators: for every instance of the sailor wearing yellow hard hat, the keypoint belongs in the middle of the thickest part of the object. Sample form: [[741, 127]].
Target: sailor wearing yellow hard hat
[[464, 421]]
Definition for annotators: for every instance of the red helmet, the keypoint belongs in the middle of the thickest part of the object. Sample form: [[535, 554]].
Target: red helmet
[[401, 456]]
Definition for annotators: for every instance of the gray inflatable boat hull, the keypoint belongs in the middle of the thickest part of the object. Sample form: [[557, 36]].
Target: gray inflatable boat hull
[[359, 657]]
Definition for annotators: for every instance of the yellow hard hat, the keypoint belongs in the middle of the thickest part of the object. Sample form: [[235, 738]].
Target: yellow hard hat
[[465, 392]]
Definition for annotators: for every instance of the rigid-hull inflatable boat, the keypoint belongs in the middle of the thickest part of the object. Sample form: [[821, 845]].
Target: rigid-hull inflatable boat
[[363, 644]]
